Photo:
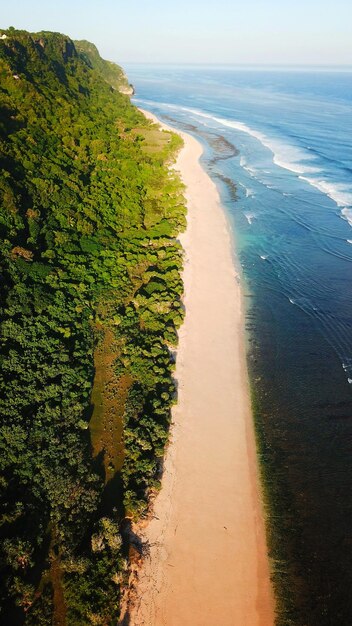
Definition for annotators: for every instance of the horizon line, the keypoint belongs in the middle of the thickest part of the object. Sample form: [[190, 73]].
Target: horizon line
[[230, 64]]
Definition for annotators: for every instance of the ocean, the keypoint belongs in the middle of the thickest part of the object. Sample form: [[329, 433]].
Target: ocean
[[278, 143]]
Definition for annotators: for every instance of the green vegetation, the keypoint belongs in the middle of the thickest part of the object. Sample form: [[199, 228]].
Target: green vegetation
[[112, 73], [90, 306]]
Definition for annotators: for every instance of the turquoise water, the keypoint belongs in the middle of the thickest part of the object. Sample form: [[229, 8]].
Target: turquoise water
[[284, 138]]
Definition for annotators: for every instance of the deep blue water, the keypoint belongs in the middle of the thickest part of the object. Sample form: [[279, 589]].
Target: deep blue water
[[284, 138]]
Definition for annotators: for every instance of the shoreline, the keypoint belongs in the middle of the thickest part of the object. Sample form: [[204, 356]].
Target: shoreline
[[208, 559]]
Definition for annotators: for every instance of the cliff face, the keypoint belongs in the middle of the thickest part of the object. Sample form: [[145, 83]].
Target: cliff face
[[128, 91], [111, 72], [89, 307]]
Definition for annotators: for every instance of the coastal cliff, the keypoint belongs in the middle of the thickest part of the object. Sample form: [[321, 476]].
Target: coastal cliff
[[111, 72], [91, 288]]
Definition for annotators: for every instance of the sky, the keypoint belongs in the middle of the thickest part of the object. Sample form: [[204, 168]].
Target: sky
[[280, 32]]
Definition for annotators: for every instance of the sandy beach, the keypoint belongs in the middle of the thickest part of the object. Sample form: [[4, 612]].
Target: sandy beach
[[208, 560]]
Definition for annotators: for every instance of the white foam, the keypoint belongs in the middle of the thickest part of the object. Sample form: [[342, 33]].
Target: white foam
[[250, 217], [347, 366], [288, 157], [294, 159], [248, 168], [251, 170], [347, 215], [291, 158], [250, 193], [263, 257], [338, 192], [199, 113]]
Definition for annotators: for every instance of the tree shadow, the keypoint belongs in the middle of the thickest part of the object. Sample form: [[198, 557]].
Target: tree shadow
[[131, 539], [126, 620]]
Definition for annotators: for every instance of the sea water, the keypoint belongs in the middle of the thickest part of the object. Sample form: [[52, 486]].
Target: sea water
[[279, 145]]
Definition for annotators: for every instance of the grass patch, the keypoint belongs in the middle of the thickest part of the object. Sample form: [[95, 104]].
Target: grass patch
[[152, 140], [109, 396]]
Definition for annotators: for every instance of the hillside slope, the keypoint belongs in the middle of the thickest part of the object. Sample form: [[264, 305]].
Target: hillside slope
[[90, 304], [111, 72]]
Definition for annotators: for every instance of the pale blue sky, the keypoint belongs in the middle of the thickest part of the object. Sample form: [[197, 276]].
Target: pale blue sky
[[295, 32]]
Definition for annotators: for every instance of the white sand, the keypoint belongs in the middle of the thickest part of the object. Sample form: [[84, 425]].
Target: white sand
[[208, 564]]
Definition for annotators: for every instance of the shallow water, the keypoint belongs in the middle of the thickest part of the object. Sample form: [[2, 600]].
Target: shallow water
[[284, 138]]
